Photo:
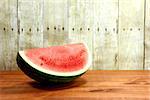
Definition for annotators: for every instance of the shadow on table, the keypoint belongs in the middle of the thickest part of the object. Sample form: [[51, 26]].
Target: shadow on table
[[54, 87], [33, 86]]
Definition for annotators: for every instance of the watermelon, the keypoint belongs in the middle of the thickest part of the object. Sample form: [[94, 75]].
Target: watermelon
[[55, 64]]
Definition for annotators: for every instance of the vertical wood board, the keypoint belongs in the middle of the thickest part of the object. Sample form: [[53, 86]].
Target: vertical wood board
[[30, 16], [147, 35], [8, 34], [105, 39], [55, 22], [131, 34]]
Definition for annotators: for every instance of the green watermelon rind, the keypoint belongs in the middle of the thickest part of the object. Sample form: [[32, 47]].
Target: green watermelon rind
[[40, 76]]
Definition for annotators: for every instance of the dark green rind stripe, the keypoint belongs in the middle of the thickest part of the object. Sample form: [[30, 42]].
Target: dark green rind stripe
[[41, 76]]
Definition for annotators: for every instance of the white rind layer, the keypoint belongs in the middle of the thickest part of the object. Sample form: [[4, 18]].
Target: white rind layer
[[73, 73]]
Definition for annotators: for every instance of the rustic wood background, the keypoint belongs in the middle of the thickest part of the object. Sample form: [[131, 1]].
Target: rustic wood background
[[116, 31]]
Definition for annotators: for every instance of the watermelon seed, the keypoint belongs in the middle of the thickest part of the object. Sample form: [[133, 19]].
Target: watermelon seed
[[4, 28], [88, 29], [12, 29], [123, 29], [105, 29], [41, 64], [130, 29]]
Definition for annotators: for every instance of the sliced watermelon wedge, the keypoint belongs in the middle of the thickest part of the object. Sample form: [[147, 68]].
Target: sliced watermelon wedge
[[57, 64]]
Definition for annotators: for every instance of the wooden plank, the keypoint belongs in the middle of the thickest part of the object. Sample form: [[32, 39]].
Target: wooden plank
[[131, 32], [147, 35], [8, 34], [81, 22], [55, 22], [105, 39], [99, 85], [30, 16]]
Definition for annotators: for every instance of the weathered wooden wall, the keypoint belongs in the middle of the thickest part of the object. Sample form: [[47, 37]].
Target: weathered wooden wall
[[116, 31]]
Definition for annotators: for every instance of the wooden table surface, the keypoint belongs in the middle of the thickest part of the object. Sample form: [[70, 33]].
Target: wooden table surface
[[99, 85]]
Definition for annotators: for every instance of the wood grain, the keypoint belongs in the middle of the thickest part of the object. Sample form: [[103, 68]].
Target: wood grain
[[55, 22], [105, 41], [30, 16], [131, 34], [147, 35], [8, 34], [99, 85]]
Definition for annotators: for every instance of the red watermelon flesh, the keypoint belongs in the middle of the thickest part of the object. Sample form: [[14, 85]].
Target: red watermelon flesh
[[67, 58]]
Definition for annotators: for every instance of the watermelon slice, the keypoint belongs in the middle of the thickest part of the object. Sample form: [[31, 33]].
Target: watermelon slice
[[55, 64]]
